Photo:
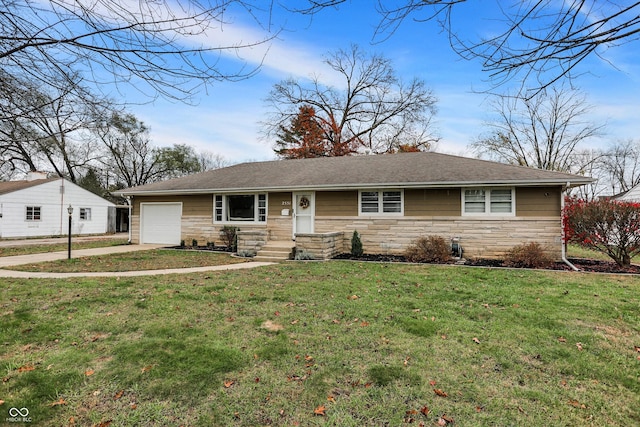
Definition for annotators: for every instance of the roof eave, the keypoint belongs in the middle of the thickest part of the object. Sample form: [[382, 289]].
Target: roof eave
[[358, 186]]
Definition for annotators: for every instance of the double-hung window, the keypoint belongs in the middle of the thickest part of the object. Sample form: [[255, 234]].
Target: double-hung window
[[240, 207], [488, 201], [33, 213], [381, 202]]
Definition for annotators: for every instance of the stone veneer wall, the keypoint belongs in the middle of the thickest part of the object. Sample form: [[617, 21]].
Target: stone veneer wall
[[480, 238], [251, 240], [321, 245]]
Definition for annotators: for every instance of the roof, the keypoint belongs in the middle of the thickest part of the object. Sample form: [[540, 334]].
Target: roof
[[11, 186], [404, 170], [631, 195]]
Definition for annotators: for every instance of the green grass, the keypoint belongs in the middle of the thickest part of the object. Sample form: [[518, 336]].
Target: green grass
[[369, 342], [576, 251], [56, 247], [152, 259]]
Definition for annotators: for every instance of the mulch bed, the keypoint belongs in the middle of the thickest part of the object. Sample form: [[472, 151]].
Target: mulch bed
[[589, 265]]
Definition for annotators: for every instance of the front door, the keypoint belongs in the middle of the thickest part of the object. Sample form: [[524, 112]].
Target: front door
[[303, 213]]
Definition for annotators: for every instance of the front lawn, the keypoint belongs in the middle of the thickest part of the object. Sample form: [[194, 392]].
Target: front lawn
[[152, 259], [334, 343]]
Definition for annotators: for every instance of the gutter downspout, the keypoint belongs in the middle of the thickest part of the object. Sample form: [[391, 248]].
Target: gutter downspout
[[564, 252], [128, 199]]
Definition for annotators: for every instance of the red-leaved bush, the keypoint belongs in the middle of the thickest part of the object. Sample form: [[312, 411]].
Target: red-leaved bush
[[607, 226]]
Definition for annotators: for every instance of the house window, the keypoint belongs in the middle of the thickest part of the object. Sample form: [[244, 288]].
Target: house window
[[488, 201], [381, 202], [85, 214], [240, 208], [33, 213]]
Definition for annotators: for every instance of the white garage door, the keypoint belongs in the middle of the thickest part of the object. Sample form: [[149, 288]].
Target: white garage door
[[160, 223]]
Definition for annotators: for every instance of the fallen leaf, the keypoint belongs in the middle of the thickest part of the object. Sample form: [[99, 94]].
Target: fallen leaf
[[432, 383], [562, 339], [1, 402], [147, 368], [353, 297], [425, 411], [229, 383], [364, 324], [104, 423], [637, 348], [579, 345], [26, 368], [577, 404], [440, 393], [476, 340], [89, 372], [133, 406], [331, 399], [294, 322], [58, 402], [320, 410], [479, 408]]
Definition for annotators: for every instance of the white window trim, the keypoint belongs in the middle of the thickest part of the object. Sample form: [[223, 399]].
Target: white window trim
[[380, 202], [256, 212], [487, 202], [33, 208], [86, 210]]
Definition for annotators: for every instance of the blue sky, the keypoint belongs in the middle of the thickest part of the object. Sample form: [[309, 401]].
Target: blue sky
[[226, 119]]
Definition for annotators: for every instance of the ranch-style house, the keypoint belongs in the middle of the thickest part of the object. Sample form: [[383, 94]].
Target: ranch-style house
[[314, 205]]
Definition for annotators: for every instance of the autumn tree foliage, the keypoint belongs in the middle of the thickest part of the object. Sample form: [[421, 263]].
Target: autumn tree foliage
[[607, 226], [308, 136]]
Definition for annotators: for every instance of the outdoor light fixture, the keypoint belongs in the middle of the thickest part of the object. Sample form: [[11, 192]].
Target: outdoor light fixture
[[70, 210]]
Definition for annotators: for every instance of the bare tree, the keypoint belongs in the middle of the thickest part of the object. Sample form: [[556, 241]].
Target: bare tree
[[46, 128], [170, 46], [542, 132], [543, 39], [374, 112], [621, 165]]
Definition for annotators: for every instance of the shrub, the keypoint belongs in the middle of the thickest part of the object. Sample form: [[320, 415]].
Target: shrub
[[528, 255], [194, 243], [303, 255], [356, 245], [606, 226], [429, 249], [229, 237]]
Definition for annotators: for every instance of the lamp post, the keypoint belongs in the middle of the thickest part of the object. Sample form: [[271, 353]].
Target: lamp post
[[70, 210]]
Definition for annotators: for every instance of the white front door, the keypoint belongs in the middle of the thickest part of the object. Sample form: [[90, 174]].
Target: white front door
[[303, 213]]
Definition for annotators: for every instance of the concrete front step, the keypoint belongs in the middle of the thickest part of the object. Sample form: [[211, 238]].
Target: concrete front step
[[271, 253]]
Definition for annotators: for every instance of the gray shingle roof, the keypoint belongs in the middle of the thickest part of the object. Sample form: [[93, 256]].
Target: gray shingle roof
[[11, 186], [389, 170]]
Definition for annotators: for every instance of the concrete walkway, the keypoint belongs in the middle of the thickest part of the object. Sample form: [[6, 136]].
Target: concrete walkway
[[7, 262]]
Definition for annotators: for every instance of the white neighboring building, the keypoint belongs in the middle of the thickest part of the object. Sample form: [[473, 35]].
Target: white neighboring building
[[38, 207], [632, 195]]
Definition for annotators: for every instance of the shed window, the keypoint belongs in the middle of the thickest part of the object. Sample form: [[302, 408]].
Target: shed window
[[488, 201], [85, 214], [381, 202], [240, 207], [33, 213]]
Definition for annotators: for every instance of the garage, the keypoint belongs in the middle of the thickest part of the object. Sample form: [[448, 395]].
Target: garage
[[160, 223]]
